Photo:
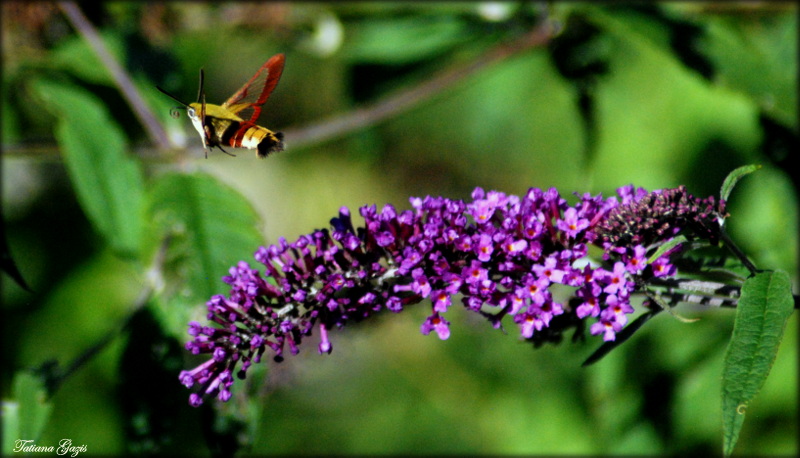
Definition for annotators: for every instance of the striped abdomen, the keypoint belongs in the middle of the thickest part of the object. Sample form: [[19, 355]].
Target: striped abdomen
[[243, 134], [263, 140]]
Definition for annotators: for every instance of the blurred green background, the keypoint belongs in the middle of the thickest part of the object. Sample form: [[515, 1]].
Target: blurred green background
[[656, 95]]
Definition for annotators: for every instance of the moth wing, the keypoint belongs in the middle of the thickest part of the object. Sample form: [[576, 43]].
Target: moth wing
[[247, 101]]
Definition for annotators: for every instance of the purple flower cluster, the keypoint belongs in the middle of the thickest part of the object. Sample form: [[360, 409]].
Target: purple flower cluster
[[498, 253]]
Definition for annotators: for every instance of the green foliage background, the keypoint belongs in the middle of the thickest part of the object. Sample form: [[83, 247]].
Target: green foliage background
[[657, 117]]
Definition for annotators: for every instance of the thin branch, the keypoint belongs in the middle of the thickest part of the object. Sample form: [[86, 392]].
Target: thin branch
[[340, 124], [118, 74], [55, 376], [621, 337], [404, 99], [736, 251]]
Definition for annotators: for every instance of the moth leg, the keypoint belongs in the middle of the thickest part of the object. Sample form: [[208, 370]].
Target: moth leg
[[229, 154]]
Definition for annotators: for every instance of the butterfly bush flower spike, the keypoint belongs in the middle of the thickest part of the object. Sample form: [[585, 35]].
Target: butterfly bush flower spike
[[498, 254]]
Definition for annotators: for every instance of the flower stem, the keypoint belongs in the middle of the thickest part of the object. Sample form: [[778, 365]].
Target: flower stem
[[736, 251]]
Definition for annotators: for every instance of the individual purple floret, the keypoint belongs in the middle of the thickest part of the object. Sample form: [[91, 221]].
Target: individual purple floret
[[499, 254]]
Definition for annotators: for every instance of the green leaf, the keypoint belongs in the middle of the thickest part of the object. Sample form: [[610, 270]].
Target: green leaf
[[210, 227], [400, 40], [758, 58], [7, 263], [666, 247], [109, 184], [74, 55], [761, 316], [10, 415], [26, 416], [734, 177]]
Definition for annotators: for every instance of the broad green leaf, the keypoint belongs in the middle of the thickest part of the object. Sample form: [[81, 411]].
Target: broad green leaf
[[758, 58], [734, 177], [761, 316], [109, 184], [25, 417], [210, 227], [642, 66]]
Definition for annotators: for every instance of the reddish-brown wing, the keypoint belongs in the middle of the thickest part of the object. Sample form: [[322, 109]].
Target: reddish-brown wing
[[247, 101]]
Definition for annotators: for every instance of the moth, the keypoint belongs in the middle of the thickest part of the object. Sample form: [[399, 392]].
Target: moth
[[234, 122]]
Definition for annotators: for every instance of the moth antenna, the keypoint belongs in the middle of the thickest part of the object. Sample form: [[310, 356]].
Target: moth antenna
[[200, 92], [183, 104]]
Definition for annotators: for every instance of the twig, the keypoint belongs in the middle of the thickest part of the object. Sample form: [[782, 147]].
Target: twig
[[118, 74], [736, 251], [621, 337], [404, 99], [54, 376]]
